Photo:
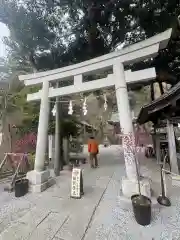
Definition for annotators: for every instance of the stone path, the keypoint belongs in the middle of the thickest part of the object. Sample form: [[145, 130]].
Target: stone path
[[53, 215]]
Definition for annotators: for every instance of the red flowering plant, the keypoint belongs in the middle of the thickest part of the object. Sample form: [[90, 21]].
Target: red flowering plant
[[26, 143]]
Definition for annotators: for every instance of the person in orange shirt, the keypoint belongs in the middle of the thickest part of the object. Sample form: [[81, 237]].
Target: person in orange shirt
[[93, 150]]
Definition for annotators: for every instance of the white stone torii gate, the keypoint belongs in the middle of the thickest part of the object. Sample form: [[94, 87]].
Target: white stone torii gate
[[39, 178]]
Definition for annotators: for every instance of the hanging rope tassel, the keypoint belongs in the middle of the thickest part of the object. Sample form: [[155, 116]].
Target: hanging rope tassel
[[70, 112], [105, 102], [85, 107]]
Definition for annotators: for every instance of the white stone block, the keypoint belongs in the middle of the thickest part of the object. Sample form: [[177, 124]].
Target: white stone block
[[130, 187], [36, 178], [51, 182], [39, 181], [38, 188]]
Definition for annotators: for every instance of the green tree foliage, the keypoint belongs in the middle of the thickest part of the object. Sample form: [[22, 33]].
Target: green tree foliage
[[14, 98], [29, 111], [65, 32], [47, 34]]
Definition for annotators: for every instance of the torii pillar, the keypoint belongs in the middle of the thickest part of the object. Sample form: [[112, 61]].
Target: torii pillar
[[39, 178], [129, 183]]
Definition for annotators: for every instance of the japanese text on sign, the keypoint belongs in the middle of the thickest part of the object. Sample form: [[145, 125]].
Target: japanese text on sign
[[75, 185]]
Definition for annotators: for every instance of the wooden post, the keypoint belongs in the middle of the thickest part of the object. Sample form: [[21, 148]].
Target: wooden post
[[84, 133], [66, 149], [158, 152], [172, 147]]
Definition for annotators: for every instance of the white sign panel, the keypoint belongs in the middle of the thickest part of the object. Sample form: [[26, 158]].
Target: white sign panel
[[75, 185], [50, 141]]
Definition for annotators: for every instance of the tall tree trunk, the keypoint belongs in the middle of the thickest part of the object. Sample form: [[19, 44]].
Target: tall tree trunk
[[66, 150]]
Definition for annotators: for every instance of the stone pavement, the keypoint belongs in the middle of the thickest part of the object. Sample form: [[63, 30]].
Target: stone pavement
[[53, 215]]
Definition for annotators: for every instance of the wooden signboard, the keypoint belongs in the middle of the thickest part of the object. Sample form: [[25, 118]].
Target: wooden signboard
[[77, 183]]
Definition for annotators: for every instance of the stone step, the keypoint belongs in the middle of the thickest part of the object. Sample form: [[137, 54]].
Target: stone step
[[22, 227], [35, 224], [77, 224], [11, 213]]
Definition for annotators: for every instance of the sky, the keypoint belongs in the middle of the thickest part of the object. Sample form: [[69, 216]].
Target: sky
[[4, 32]]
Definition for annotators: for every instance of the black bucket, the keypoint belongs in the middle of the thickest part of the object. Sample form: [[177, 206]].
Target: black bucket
[[21, 187], [142, 209], [25, 185]]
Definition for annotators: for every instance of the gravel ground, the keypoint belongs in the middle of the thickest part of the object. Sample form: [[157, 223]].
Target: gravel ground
[[100, 214]]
